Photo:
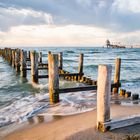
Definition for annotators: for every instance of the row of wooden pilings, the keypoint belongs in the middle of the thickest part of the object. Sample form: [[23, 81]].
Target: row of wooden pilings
[[18, 58]]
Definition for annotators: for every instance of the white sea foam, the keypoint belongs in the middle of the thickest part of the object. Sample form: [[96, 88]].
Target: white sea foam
[[27, 107]]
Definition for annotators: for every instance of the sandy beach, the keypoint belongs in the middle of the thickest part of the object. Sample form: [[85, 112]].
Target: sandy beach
[[78, 127]]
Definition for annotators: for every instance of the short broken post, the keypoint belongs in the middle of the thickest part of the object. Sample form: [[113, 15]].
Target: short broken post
[[117, 74], [60, 58], [53, 78], [23, 63], [103, 96], [80, 68], [34, 66]]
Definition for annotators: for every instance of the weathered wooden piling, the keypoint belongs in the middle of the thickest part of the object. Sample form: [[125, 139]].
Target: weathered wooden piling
[[29, 55], [23, 63], [34, 66], [117, 74], [122, 92], [127, 94], [10, 56], [53, 78], [17, 60], [80, 67], [135, 96], [40, 57], [103, 95], [13, 58], [60, 59]]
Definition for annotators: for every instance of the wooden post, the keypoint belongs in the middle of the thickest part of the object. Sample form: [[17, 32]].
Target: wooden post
[[17, 60], [29, 55], [13, 58], [80, 68], [103, 95], [60, 58], [34, 67], [40, 57], [10, 55], [23, 63], [53, 78], [117, 74]]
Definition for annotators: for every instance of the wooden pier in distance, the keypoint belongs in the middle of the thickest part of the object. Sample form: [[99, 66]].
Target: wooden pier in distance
[[18, 58]]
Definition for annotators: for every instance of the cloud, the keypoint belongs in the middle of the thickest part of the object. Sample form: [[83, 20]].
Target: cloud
[[110, 14], [127, 6], [14, 17], [115, 19], [51, 35], [68, 35]]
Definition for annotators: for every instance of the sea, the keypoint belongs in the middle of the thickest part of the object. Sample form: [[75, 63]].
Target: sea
[[20, 100]]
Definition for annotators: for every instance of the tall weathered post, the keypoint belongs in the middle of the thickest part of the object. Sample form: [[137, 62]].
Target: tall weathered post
[[23, 63], [40, 57], [117, 74], [13, 58], [53, 78], [80, 68], [60, 58], [103, 95], [17, 60], [34, 67]]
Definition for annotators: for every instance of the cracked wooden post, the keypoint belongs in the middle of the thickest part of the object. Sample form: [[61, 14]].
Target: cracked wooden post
[[17, 60], [23, 63], [53, 78], [60, 58], [40, 57], [80, 68], [117, 74], [103, 96], [34, 66]]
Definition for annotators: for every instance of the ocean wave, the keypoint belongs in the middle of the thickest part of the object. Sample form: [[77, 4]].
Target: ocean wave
[[70, 51], [23, 109], [91, 66]]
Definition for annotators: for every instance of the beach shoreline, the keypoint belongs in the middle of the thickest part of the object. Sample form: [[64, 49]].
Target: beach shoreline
[[76, 126]]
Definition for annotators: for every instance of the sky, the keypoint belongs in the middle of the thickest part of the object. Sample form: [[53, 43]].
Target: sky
[[69, 22]]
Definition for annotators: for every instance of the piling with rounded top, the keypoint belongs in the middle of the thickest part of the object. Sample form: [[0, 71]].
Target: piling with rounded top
[[34, 66], [53, 77], [103, 95], [60, 59], [117, 74], [23, 63]]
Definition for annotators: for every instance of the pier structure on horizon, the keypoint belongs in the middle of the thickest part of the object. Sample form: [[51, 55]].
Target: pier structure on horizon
[[116, 45]]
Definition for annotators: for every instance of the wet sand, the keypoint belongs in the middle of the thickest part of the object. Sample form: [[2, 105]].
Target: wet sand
[[78, 127]]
